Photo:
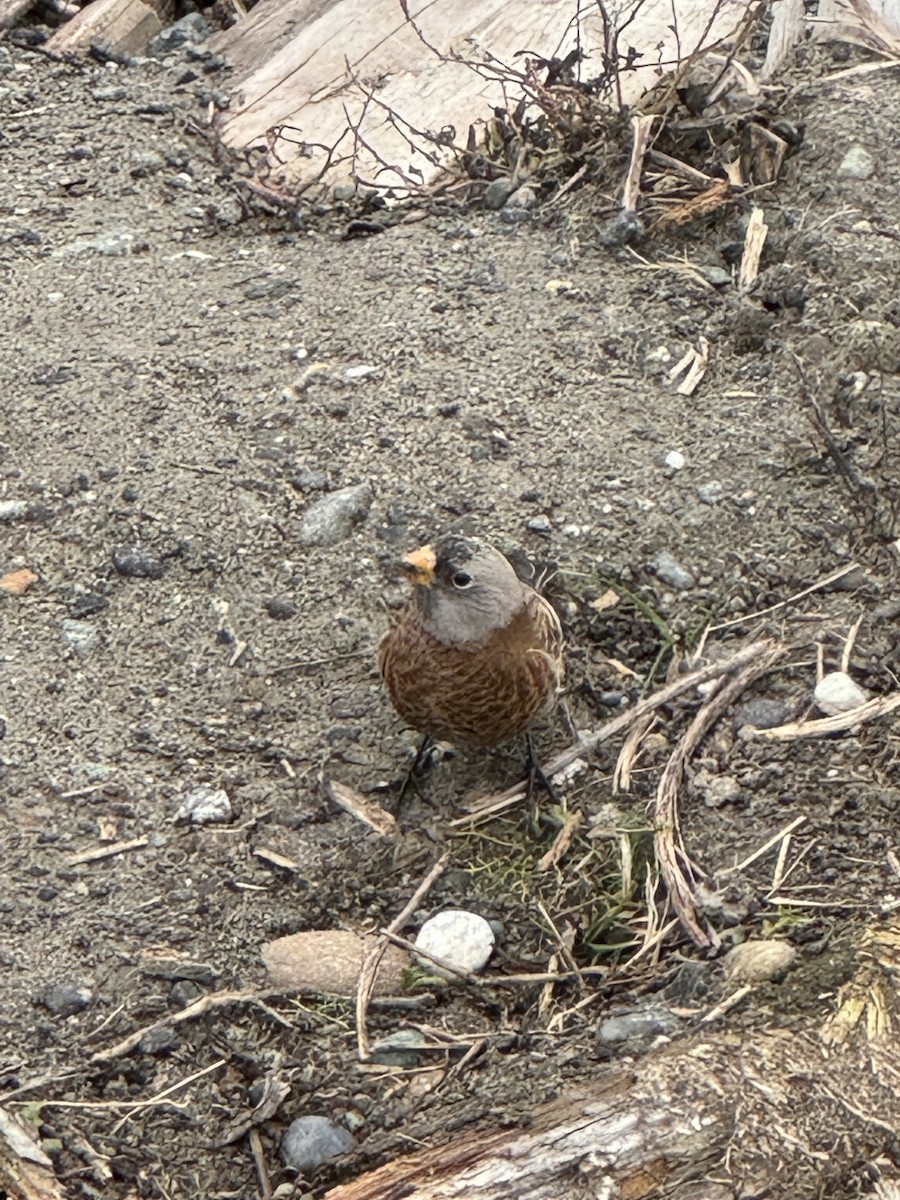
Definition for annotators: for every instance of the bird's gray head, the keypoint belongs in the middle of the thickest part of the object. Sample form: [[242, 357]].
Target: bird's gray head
[[465, 589]]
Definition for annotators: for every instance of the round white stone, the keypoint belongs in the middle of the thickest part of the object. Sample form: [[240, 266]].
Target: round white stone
[[462, 939], [837, 693]]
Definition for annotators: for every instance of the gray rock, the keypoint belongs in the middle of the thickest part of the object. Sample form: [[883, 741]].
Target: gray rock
[[81, 635], [307, 479], [670, 571], [106, 94], [13, 510], [117, 243], [190, 30], [137, 562], [763, 712], [621, 230], [145, 162], [718, 276], [279, 609], [205, 805], [644, 1023], [497, 193], [87, 604], [65, 1000], [857, 163], [539, 525], [311, 1141], [158, 1041], [329, 520], [343, 192], [523, 197], [710, 493], [716, 790], [403, 1048]]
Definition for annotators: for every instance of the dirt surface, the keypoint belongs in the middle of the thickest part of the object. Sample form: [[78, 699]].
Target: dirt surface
[[190, 395]]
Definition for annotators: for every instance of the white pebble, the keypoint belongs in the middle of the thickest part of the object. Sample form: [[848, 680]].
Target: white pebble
[[462, 939], [837, 693], [674, 460], [205, 805]]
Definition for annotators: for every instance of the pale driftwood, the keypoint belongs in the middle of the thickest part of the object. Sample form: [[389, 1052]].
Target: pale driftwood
[[788, 28], [793, 1113], [26, 1173], [359, 86], [119, 26], [754, 240], [12, 10]]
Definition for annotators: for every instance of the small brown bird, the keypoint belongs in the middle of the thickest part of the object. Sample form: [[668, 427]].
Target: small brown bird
[[477, 656]]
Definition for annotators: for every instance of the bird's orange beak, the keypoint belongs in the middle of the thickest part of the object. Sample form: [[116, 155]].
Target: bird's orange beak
[[420, 566]]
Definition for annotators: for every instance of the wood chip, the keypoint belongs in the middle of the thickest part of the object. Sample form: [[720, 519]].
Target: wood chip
[[754, 241], [107, 851], [357, 805]]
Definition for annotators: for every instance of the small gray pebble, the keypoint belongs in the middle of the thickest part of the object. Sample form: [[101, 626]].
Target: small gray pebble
[[65, 1000], [623, 229], [109, 93], [331, 519], [310, 1141], [670, 571], [158, 1041], [13, 510], [648, 1022], [145, 162], [763, 712], [81, 635], [87, 604], [857, 163], [400, 1049], [710, 493], [718, 276], [280, 610], [189, 30], [305, 479], [185, 992], [539, 525], [523, 197], [205, 805], [137, 562], [497, 193]]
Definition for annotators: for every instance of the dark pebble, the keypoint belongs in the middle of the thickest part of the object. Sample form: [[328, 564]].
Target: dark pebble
[[280, 610], [130, 493], [158, 1041], [46, 894], [185, 992], [137, 562], [65, 1001], [308, 480], [87, 604]]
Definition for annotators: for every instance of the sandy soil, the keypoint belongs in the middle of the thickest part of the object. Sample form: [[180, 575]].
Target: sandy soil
[[186, 386]]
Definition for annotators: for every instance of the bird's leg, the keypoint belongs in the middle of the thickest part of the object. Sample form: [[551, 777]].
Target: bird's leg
[[534, 774], [423, 761]]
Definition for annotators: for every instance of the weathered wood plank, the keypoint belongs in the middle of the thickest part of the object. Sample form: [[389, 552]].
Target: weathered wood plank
[[342, 65], [120, 26]]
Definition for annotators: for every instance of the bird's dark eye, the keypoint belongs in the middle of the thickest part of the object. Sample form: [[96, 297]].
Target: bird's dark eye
[[462, 580]]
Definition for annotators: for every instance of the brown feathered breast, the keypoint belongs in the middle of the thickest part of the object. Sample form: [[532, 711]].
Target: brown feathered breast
[[482, 693]]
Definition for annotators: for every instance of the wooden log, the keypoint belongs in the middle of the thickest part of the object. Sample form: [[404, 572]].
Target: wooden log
[[12, 10], [119, 26], [799, 1112]]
